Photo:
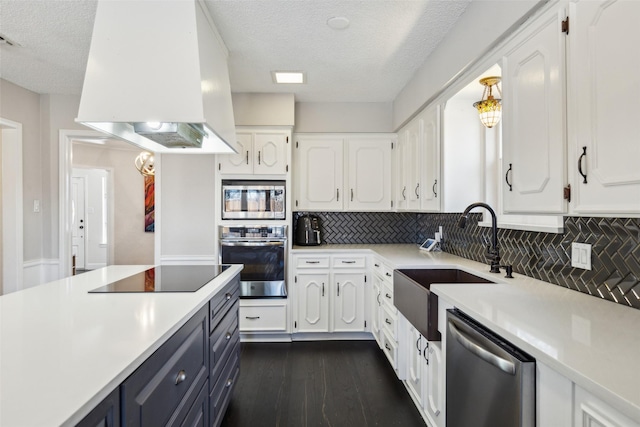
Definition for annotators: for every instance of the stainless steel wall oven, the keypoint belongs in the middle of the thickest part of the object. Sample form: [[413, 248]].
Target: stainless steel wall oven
[[263, 251]]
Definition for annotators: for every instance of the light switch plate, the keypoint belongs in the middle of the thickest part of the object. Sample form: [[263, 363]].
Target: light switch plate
[[581, 255]]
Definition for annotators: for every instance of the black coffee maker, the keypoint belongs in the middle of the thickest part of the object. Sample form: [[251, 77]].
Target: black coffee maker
[[308, 231]]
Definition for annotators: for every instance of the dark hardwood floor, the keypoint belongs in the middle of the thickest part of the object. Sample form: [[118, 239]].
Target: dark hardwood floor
[[320, 383]]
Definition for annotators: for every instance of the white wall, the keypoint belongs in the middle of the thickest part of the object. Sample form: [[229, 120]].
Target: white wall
[[131, 244], [344, 117], [263, 109], [463, 156], [187, 207], [482, 23]]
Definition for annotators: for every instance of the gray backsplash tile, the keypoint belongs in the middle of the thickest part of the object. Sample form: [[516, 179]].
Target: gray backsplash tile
[[615, 273]]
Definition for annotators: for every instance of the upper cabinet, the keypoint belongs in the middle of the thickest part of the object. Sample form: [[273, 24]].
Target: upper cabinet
[[571, 102], [534, 136], [261, 152], [335, 172], [418, 163], [604, 107]]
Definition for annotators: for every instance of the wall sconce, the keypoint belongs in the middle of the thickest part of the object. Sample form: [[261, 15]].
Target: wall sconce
[[490, 108], [144, 163]]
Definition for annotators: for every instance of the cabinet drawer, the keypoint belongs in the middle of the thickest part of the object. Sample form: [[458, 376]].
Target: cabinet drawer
[[223, 301], [312, 262], [192, 412], [221, 393], [349, 262], [223, 340], [177, 369], [263, 318], [378, 267], [390, 349], [387, 295], [389, 321]]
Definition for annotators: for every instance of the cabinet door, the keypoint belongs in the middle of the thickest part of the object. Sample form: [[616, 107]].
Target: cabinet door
[[369, 175], [239, 163], [105, 414], [270, 153], [402, 173], [434, 378], [318, 174], [414, 350], [605, 101], [430, 186], [589, 411], [348, 309], [376, 308], [313, 302], [534, 120]]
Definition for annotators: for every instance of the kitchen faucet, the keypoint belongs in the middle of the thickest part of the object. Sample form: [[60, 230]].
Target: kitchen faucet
[[493, 250]]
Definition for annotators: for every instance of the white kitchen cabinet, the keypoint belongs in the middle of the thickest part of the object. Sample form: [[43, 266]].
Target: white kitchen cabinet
[[418, 163], [330, 293], [262, 152], [338, 172], [604, 107], [534, 134], [433, 382], [312, 290], [369, 183], [589, 411], [414, 348], [263, 315], [376, 308], [318, 177]]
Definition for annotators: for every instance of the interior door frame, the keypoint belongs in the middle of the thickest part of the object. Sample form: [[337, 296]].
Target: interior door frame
[[12, 206]]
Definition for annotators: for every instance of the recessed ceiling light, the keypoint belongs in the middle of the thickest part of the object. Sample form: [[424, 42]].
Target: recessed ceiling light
[[338, 22], [288, 77]]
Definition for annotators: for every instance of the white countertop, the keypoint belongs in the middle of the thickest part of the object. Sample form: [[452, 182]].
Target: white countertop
[[63, 350], [593, 342]]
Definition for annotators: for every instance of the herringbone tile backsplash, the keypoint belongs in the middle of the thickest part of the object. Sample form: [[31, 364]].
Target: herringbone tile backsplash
[[615, 256]]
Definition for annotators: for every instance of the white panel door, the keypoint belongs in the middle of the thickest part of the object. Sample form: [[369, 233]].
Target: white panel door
[[413, 164], [430, 180], [313, 302], [369, 184], [78, 224], [270, 153], [534, 138], [376, 308], [605, 103], [348, 306], [434, 383], [414, 363], [318, 174], [242, 162], [402, 172]]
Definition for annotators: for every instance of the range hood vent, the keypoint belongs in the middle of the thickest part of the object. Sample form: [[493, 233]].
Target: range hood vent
[[157, 77]]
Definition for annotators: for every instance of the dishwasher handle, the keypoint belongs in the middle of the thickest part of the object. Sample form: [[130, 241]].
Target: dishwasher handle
[[484, 354]]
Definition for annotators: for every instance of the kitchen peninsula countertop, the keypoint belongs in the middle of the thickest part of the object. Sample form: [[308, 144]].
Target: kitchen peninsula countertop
[[593, 342], [63, 350]]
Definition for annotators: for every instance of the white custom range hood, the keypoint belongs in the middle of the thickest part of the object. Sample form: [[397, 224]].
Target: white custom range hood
[[157, 77]]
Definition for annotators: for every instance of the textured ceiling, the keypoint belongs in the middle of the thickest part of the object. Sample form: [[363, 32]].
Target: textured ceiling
[[370, 61]]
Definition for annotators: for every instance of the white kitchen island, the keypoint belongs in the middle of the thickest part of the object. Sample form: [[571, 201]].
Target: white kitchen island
[[63, 350]]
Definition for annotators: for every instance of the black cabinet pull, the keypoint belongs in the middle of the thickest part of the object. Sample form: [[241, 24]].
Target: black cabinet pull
[[418, 344], [387, 274], [337, 194], [352, 194], [387, 346], [506, 177], [348, 262], [338, 286], [378, 298], [435, 182], [323, 289], [417, 194], [376, 265], [252, 317], [258, 157], [247, 157], [387, 321], [584, 175], [404, 193]]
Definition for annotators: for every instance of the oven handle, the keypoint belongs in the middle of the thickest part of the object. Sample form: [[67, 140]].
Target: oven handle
[[275, 243]]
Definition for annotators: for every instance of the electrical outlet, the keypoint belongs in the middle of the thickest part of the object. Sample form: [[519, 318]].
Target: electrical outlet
[[581, 255]]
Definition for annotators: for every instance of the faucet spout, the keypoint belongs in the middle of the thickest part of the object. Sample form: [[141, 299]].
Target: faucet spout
[[494, 251]]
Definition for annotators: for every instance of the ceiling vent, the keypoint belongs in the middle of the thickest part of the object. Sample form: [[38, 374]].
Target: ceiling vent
[[157, 77]]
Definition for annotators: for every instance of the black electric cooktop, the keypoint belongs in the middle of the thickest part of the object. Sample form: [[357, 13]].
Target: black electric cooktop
[[166, 278]]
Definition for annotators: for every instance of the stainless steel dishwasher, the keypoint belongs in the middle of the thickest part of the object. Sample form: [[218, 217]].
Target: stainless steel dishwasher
[[490, 382]]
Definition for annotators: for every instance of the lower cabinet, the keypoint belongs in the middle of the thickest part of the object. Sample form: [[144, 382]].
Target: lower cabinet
[[425, 376], [188, 381], [330, 293], [263, 315]]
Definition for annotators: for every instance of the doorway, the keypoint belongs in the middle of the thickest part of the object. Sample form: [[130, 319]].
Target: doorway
[[90, 218], [11, 242]]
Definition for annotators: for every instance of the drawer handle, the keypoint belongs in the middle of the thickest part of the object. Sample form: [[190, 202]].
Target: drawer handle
[[387, 274], [348, 262], [229, 383], [227, 296], [376, 265], [312, 262], [182, 375], [387, 321], [252, 317], [228, 336], [387, 346], [387, 295]]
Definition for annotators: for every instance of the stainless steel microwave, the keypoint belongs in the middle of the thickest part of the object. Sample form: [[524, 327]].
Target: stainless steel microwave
[[249, 199]]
